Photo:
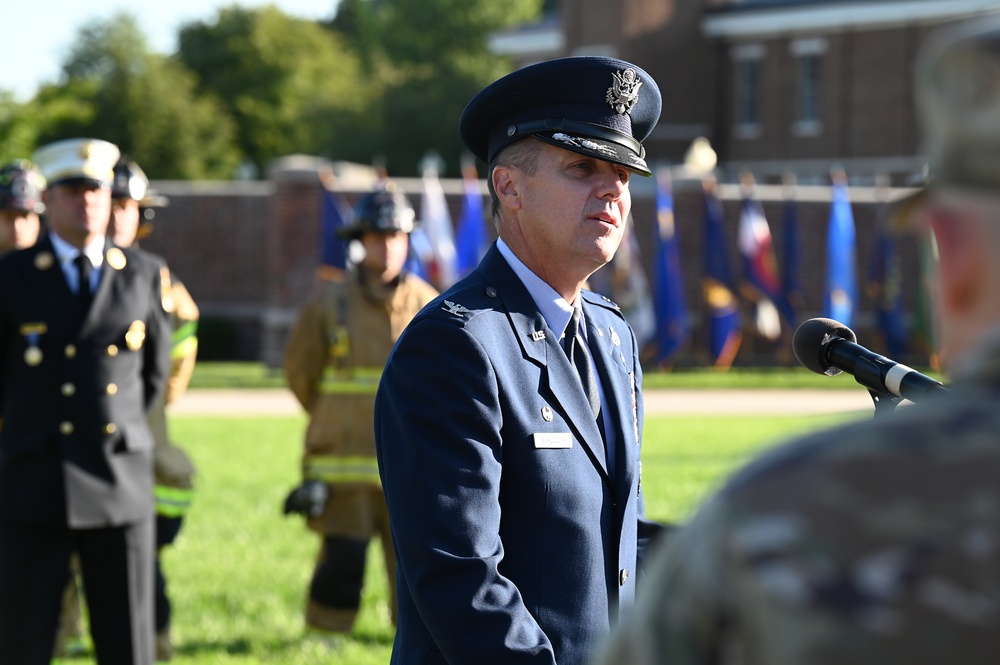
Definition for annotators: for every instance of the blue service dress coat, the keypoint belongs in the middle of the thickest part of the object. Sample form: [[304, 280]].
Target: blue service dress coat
[[514, 543], [75, 447]]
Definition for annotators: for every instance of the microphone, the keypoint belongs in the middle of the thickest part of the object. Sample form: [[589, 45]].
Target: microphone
[[828, 347]]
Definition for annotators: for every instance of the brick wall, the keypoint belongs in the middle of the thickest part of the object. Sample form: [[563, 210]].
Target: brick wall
[[248, 253]]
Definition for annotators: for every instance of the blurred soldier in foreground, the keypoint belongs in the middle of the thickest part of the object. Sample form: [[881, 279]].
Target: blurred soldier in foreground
[[332, 363], [20, 205], [84, 354], [878, 542]]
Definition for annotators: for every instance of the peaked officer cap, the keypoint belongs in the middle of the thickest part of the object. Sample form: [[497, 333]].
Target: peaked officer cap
[[90, 160], [596, 106]]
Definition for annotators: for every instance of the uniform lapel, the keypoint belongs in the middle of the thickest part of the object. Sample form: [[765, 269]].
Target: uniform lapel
[[605, 340], [541, 345]]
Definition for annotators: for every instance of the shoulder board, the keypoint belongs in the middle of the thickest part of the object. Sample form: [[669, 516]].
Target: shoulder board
[[601, 301]]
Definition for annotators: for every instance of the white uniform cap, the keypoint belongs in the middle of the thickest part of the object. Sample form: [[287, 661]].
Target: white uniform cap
[[77, 159]]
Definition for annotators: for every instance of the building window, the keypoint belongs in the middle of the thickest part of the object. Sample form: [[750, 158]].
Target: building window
[[809, 111], [747, 58]]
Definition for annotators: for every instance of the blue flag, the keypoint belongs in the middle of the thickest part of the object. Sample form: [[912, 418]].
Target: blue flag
[[724, 334], [471, 241], [671, 313], [841, 282], [886, 287], [791, 287], [335, 215]]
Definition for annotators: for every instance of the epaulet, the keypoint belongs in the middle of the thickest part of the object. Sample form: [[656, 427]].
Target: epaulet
[[602, 301]]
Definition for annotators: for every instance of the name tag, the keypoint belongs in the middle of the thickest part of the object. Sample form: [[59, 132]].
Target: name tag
[[553, 440]]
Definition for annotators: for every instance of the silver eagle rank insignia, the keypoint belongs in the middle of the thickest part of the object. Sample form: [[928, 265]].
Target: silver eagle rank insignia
[[624, 92], [455, 308]]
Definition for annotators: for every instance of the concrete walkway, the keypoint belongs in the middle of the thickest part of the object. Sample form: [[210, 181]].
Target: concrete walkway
[[667, 402]]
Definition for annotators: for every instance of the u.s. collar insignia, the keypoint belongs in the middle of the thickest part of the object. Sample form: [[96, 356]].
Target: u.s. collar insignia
[[537, 335], [624, 92], [455, 308], [116, 258], [44, 260]]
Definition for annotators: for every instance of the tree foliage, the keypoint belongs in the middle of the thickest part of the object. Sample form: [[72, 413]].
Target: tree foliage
[[114, 88], [383, 80], [290, 85]]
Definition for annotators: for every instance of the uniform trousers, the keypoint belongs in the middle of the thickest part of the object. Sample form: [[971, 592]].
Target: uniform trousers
[[116, 565]]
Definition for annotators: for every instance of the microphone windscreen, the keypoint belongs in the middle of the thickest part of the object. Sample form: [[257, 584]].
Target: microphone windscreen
[[810, 340]]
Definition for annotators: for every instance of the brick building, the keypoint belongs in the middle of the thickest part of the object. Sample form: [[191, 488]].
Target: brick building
[[777, 86]]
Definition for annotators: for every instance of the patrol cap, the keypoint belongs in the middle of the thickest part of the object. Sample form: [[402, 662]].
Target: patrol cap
[[596, 106], [384, 211], [89, 160], [957, 88], [21, 187]]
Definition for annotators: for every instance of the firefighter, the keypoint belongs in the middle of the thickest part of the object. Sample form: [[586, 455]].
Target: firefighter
[[332, 363], [133, 207], [21, 186]]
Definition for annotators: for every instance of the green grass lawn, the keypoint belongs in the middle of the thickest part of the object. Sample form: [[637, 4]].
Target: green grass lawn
[[238, 572]]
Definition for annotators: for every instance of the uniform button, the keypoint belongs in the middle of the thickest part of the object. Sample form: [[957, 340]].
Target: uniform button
[[66, 427], [112, 350], [110, 428], [491, 292], [70, 351], [68, 389], [112, 389], [623, 577]]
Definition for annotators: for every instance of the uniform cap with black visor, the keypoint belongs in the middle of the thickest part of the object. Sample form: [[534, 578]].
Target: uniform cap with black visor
[[595, 106]]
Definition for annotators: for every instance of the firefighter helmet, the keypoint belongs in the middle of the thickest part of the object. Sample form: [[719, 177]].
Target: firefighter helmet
[[384, 211], [21, 186]]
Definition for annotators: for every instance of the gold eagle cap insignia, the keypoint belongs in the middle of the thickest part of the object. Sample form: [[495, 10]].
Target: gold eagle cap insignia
[[624, 91], [455, 308]]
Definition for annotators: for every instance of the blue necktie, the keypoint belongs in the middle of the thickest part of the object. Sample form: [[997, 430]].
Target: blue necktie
[[576, 349]]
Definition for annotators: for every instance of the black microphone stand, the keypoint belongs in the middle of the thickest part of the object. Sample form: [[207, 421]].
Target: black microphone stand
[[867, 373]]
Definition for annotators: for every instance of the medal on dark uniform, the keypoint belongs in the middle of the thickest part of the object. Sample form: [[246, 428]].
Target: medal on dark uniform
[[32, 335], [32, 356]]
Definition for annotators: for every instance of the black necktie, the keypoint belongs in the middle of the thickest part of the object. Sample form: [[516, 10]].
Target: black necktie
[[576, 349], [83, 268]]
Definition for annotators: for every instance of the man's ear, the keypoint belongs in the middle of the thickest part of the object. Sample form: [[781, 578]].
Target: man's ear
[[505, 184]]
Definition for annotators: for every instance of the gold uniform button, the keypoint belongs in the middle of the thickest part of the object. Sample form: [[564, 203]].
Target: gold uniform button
[[110, 428], [68, 389], [112, 350], [112, 389], [623, 577], [70, 351], [66, 427]]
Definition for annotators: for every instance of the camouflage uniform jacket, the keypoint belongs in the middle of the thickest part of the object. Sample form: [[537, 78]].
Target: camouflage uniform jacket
[[877, 542], [333, 362]]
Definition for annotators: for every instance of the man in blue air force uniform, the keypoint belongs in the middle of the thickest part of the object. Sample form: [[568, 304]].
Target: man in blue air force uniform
[[84, 352], [508, 443]]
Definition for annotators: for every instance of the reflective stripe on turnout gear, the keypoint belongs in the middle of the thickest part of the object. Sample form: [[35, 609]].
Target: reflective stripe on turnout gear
[[357, 380], [349, 469], [184, 341], [172, 501]]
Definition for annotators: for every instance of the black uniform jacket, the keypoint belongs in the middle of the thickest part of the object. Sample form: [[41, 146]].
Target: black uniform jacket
[[75, 446]]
